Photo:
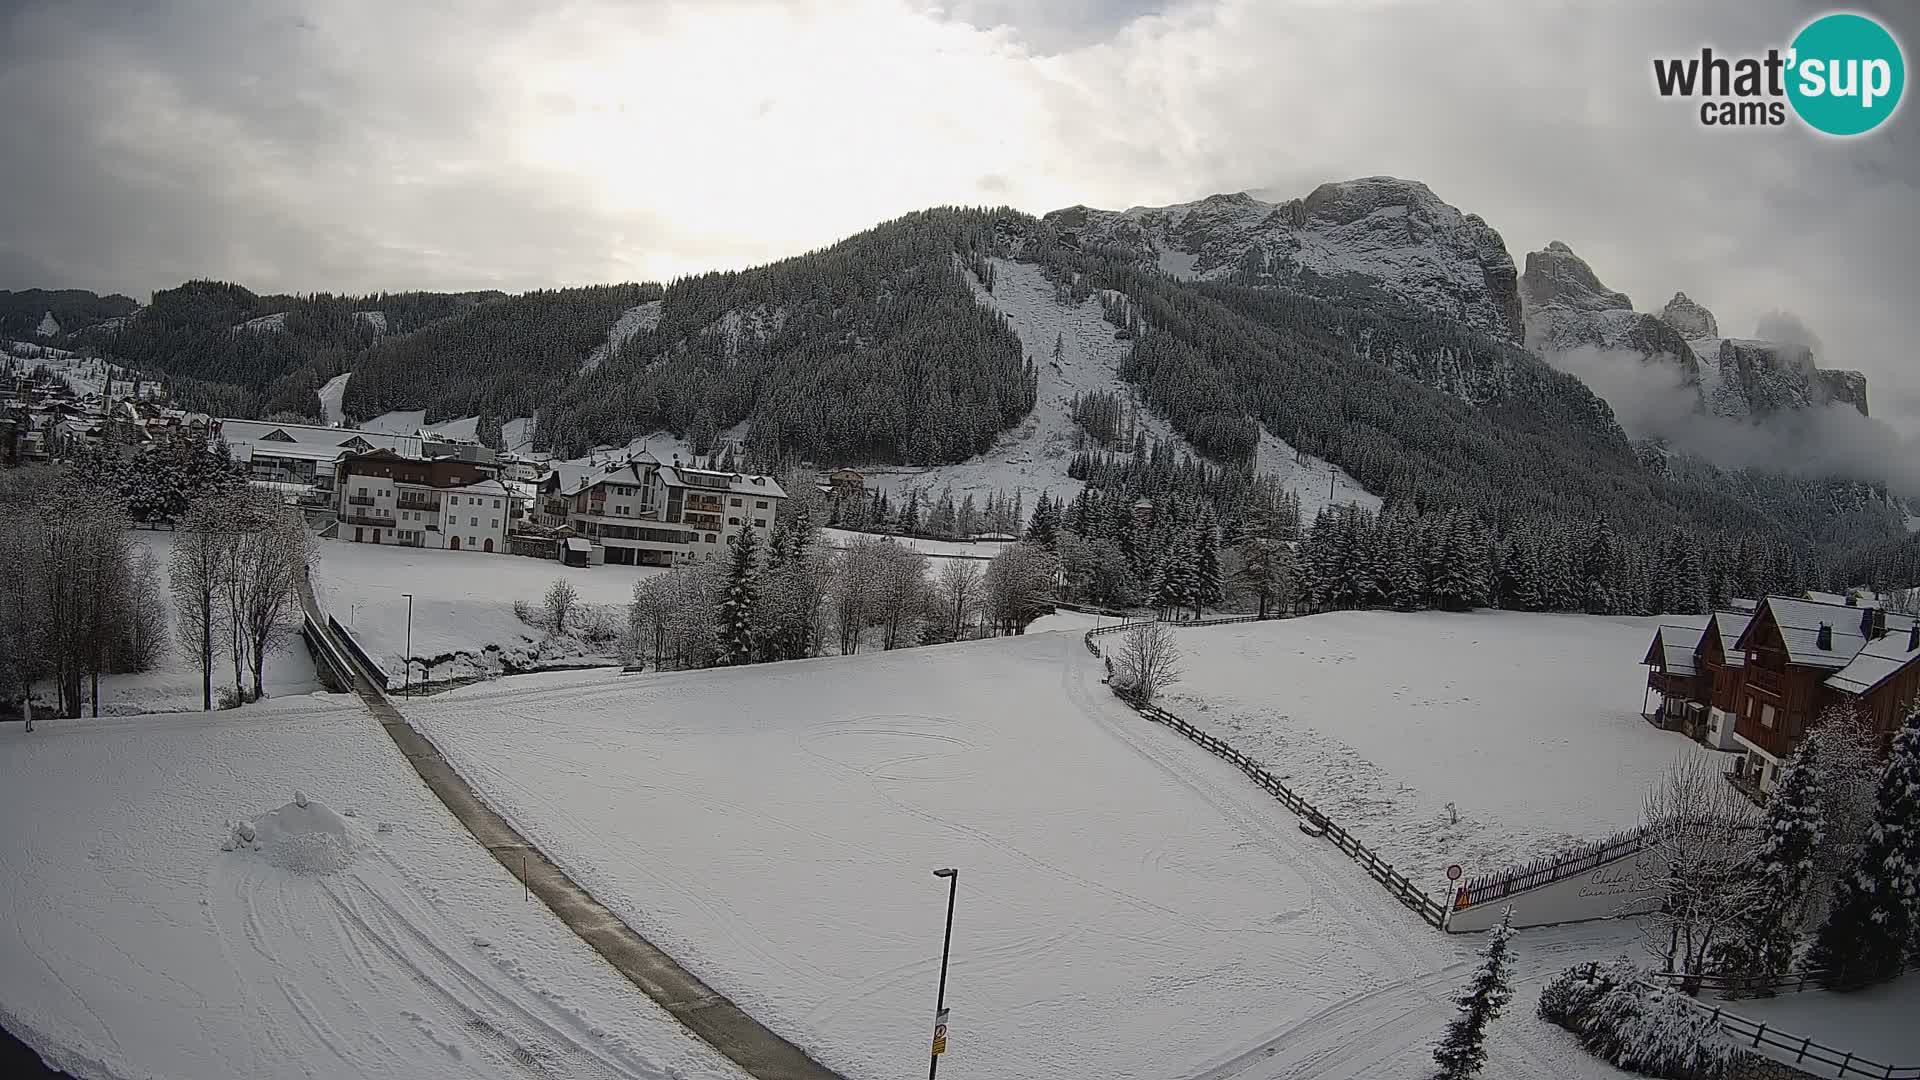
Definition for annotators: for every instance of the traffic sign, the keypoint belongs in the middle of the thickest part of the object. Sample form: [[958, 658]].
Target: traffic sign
[[940, 1033], [1453, 872]]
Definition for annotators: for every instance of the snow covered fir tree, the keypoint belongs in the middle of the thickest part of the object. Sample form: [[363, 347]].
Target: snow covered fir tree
[[1870, 928], [1463, 1049]]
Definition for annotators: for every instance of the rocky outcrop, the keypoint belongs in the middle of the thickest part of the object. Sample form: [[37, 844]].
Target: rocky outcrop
[[1354, 238], [1761, 378], [1689, 319], [1568, 308]]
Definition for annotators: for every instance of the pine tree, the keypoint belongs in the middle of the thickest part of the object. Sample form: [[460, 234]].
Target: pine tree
[[1764, 942], [734, 629], [1045, 526], [1463, 1050], [1206, 565], [1870, 926]]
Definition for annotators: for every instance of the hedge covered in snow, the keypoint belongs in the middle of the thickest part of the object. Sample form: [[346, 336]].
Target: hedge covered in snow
[[1644, 1028]]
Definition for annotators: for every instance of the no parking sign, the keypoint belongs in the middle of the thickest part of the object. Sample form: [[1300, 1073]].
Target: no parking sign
[[940, 1033]]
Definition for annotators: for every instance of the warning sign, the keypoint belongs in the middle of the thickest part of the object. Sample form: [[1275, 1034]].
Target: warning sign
[[940, 1033]]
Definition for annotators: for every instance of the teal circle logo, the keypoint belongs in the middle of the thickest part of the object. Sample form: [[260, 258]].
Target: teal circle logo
[[1847, 74]]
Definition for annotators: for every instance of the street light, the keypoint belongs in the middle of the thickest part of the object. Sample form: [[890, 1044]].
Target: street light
[[408, 690], [940, 1003]]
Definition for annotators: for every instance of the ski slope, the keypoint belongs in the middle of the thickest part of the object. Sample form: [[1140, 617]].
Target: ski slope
[[1128, 906], [1033, 457], [631, 321], [1317, 481], [331, 396], [1528, 724], [375, 940]]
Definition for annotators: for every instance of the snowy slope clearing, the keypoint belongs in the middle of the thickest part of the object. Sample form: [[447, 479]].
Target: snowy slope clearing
[[631, 321], [463, 616], [362, 935], [1128, 906], [932, 549], [331, 395], [1528, 724], [1033, 457], [1309, 476]]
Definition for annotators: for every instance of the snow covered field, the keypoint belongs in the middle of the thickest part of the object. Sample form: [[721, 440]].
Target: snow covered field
[[1529, 725], [135, 947], [462, 605], [933, 549], [174, 684], [1128, 906]]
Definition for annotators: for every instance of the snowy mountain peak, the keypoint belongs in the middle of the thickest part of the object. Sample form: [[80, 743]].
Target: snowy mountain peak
[[1689, 318], [1376, 233], [1556, 275]]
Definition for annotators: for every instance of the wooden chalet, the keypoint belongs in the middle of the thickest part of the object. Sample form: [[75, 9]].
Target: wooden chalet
[[1800, 657], [1674, 675]]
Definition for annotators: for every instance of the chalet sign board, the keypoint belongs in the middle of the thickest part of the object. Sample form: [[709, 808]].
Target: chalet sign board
[[1624, 886]]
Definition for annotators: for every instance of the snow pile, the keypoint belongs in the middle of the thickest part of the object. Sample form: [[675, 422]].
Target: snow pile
[[304, 836]]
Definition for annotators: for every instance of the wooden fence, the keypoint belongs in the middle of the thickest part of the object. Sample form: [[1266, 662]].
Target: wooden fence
[[1736, 986], [1416, 900], [1501, 884], [1805, 1051]]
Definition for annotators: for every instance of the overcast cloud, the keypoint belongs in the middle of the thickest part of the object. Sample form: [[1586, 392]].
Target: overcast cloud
[[349, 145]]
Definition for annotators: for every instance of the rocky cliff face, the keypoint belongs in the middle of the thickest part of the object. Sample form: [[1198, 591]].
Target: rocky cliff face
[[1566, 307], [1344, 239]]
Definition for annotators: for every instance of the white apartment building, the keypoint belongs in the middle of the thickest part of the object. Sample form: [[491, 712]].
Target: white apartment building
[[644, 513], [451, 503]]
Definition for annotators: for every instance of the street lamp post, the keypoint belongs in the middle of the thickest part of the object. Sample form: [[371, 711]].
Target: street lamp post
[[408, 690], [946, 950]]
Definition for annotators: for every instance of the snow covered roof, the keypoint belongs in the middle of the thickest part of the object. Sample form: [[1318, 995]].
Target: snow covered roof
[[579, 543], [1800, 621], [239, 433], [1741, 603], [1730, 625], [1860, 599], [484, 487], [1674, 645], [739, 483], [1877, 662]]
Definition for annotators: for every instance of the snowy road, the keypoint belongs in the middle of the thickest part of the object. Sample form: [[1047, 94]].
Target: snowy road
[[1129, 906], [132, 945]]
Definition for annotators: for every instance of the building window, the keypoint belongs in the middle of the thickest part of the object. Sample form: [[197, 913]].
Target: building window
[[760, 504], [496, 504], [733, 521], [710, 539], [759, 523], [1766, 716], [471, 541], [496, 524], [735, 502], [473, 523]]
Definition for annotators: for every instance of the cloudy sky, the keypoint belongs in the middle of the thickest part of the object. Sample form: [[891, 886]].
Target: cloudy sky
[[357, 145]]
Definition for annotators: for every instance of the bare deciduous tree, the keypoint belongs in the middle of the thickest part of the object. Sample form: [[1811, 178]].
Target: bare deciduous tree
[[1148, 661], [1702, 836], [197, 584], [563, 603], [959, 592]]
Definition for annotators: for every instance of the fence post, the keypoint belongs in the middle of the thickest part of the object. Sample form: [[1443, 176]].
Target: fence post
[[1802, 1055], [1761, 1030]]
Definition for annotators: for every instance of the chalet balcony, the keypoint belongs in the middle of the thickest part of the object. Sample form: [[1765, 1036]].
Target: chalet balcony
[[405, 503], [1764, 679], [360, 500], [1773, 740], [1674, 685]]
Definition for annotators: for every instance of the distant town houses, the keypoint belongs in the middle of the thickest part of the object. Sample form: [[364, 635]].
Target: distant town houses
[[1754, 682], [642, 512], [452, 501]]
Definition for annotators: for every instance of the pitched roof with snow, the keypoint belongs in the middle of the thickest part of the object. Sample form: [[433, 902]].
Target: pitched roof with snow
[[1730, 625], [1800, 621], [1676, 644], [741, 484], [239, 433], [1880, 660]]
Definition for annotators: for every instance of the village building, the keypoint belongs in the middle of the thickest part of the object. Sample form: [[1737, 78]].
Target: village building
[[640, 512], [452, 502], [1803, 657]]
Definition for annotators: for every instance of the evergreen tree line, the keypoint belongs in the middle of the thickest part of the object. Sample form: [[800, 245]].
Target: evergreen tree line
[[919, 513], [1355, 558], [74, 309], [873, 350]]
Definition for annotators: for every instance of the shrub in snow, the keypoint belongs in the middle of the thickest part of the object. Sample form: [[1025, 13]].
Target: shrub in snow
[[563, 601], [1653, 1030]]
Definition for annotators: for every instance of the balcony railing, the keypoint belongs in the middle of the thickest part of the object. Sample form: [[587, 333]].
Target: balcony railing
[[360, 500], [419, 504], [1763, 679], [370, 519]]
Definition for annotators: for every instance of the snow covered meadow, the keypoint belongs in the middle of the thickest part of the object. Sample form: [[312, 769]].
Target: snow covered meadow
[[1128, 906], [1528, 726], [365, 934], [463, 616]]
